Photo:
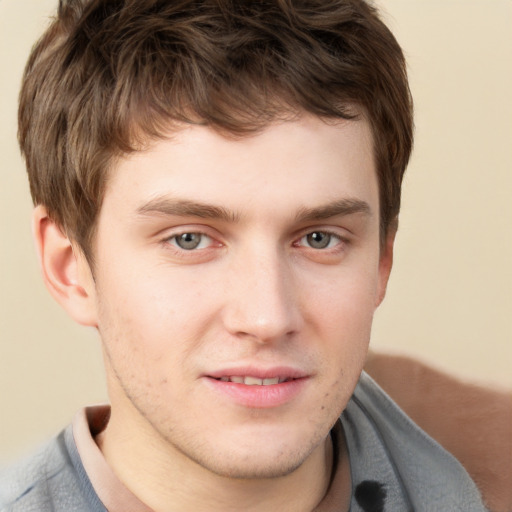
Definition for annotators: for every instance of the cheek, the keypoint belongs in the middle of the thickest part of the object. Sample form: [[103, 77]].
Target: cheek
[[343, 315], [150, 300], [344, 303], [152, 325]]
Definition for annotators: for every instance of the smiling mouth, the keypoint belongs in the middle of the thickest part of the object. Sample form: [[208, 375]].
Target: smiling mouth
[[260, 389], [254, 381]]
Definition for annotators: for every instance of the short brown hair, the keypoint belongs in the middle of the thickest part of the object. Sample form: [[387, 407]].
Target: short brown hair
[[110, 75]]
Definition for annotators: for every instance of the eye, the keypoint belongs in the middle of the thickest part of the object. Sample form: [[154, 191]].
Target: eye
[[320, 240], [191, 241]]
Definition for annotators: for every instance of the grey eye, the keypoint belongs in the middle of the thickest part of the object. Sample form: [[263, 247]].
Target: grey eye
[[188, 241], [318, 239]]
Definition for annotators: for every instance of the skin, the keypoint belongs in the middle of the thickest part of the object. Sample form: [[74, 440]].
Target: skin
[[259, 291]]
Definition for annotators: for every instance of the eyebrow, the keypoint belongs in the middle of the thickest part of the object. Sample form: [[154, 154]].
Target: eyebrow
[[342, 207], [186, 208]]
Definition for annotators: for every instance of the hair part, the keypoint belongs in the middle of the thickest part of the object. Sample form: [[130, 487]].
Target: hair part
[[110, 76]]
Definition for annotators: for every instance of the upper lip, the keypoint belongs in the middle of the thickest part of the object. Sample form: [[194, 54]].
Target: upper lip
[[283, 372]]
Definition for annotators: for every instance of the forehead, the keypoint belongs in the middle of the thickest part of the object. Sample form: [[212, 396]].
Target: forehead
[[303, 161]]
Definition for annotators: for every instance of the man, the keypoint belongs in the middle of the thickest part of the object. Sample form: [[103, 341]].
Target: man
[[217, 186]]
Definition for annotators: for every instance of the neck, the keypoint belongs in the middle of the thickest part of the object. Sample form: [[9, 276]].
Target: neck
[[166, 480]]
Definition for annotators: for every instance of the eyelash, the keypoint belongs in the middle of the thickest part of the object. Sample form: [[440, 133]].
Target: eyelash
[[173, 241], [174, 238], [341, 241]]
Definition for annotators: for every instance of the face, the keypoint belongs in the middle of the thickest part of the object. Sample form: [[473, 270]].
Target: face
[[235, 285]]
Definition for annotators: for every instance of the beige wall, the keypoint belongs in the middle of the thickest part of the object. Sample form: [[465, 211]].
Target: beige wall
[[450, 298]]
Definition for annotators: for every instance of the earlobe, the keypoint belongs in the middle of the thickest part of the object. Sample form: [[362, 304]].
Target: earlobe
[[65, 270], [385, 264]]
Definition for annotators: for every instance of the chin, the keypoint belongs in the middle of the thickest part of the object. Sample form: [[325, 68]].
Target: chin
[[255, 467], [263, 456]]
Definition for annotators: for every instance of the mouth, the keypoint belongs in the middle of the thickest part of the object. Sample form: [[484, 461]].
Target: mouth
[[253, 381], [255, 388]]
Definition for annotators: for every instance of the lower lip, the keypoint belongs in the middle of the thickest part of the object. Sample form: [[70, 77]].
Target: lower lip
[[259, 397]]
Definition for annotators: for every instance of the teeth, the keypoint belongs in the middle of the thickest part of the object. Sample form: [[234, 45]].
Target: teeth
[[254, 381]]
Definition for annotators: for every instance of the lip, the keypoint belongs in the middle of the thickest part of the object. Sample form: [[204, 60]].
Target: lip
[[258, 372], [258, 397]]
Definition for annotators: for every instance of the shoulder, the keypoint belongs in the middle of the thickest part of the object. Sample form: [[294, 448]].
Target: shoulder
[[428, 474], [44, 481]]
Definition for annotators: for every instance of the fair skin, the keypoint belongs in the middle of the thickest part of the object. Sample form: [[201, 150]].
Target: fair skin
[[221, 263]]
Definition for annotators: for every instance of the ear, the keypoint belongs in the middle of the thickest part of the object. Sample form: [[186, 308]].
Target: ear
[[386, 262], [66, 272]]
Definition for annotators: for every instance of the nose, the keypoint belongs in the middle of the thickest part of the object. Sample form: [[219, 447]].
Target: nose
[[263, 298]]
